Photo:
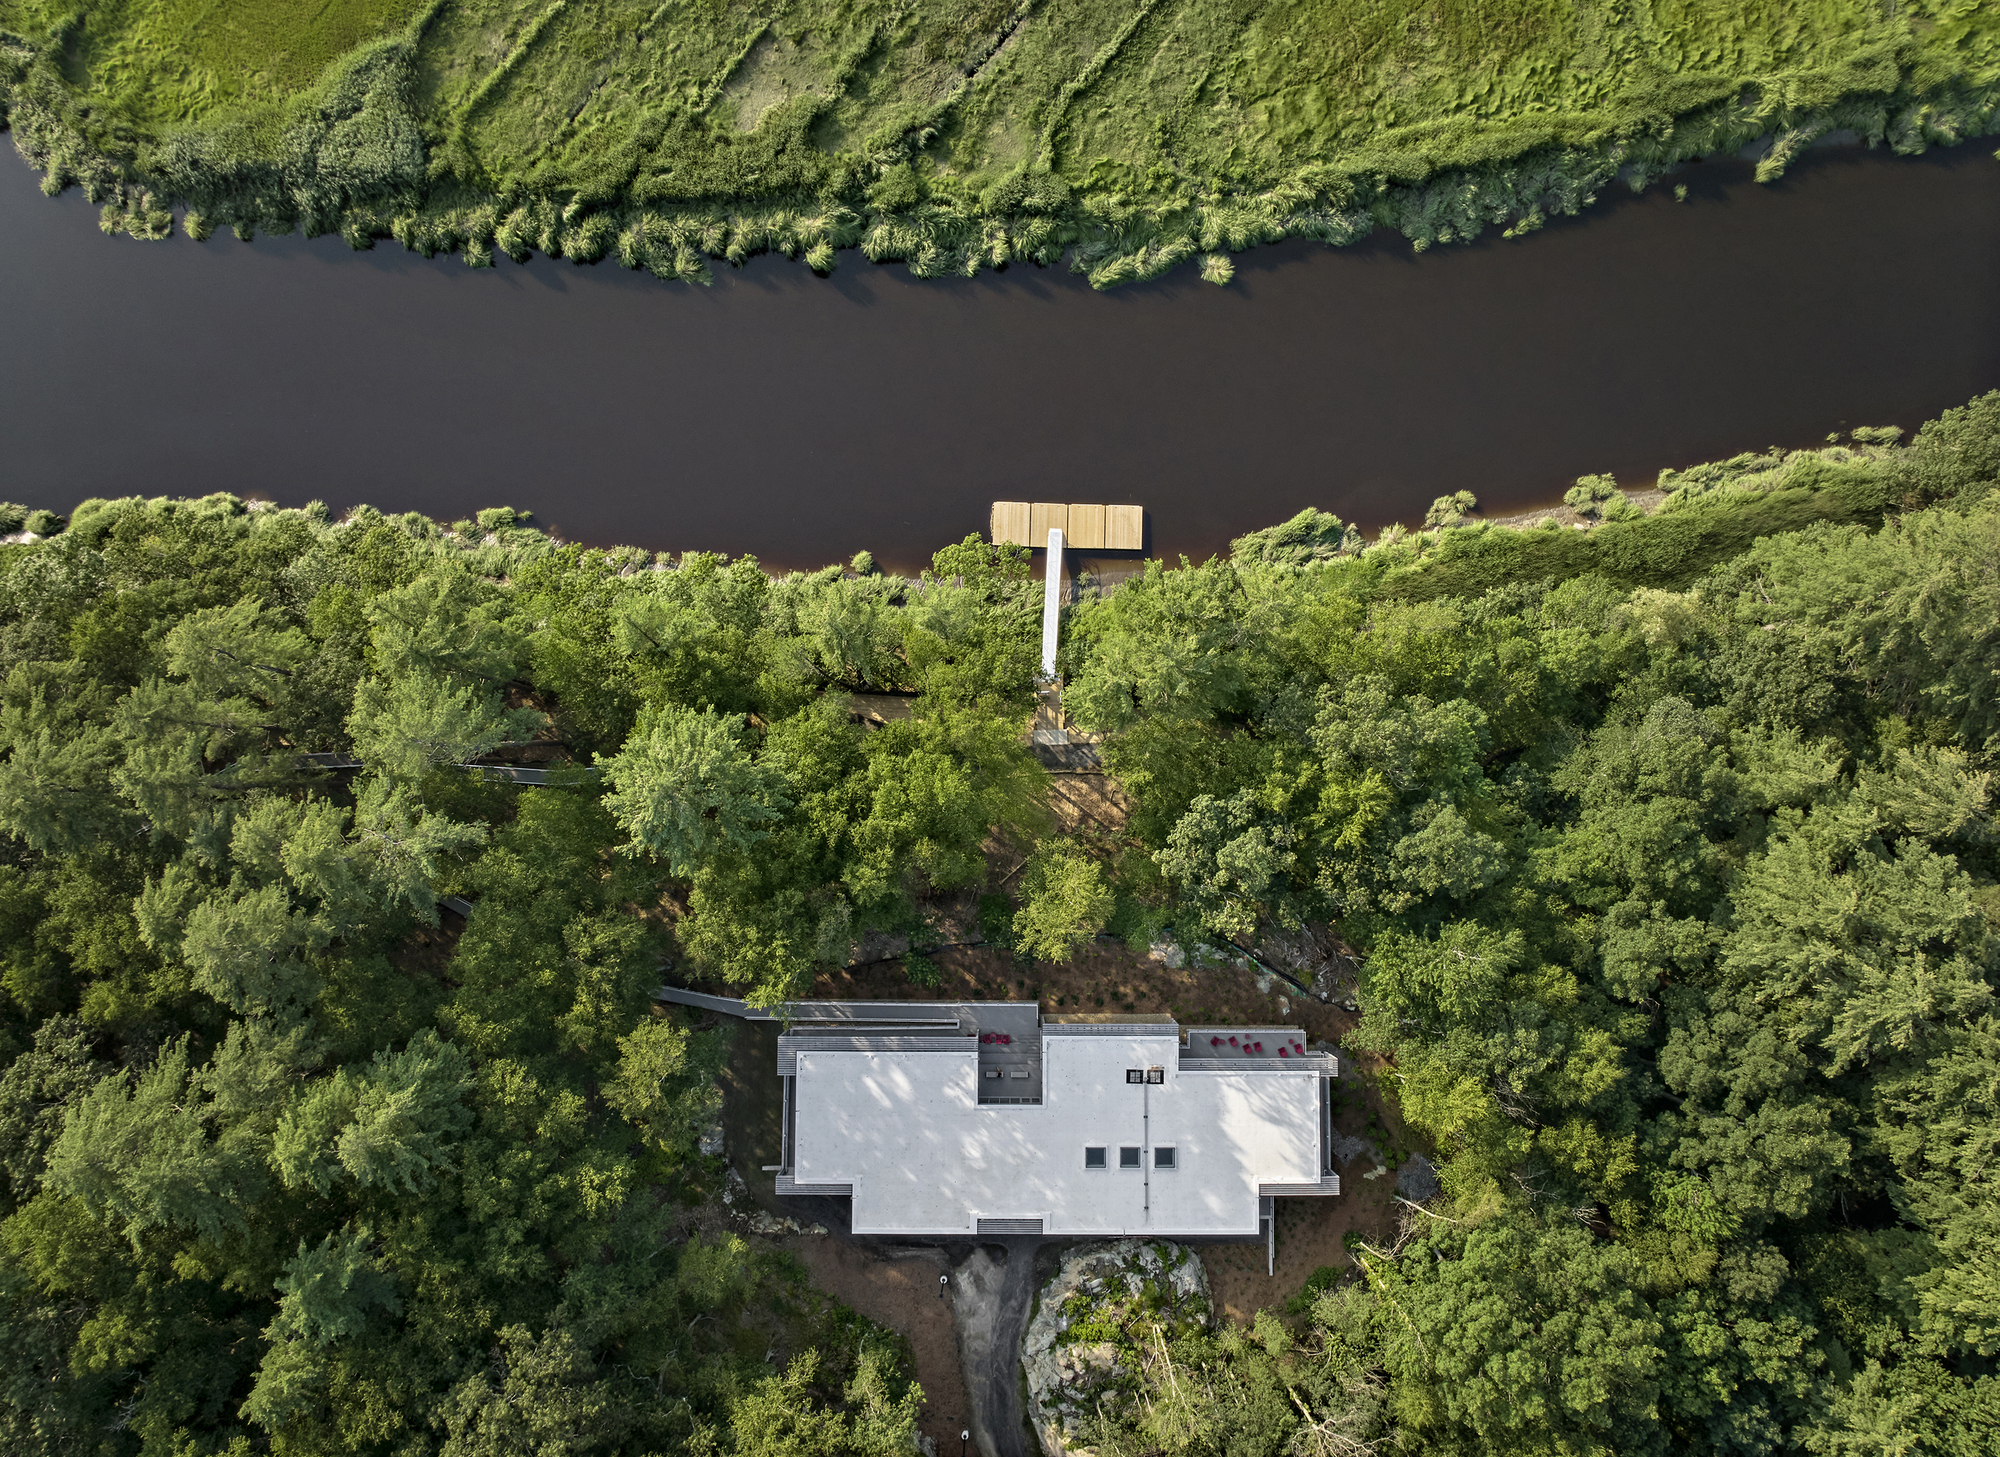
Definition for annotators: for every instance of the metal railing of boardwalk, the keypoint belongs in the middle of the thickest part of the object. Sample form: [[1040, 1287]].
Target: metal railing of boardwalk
[[923, 1014], [514, 773]]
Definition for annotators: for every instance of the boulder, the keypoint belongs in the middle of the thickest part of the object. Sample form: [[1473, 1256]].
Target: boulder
[[1094, 1322]]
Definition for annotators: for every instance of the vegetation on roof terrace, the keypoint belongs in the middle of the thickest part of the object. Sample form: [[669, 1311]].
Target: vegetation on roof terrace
[[956, 136]]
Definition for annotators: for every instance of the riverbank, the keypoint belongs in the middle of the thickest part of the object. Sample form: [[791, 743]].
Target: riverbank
[[1665, 537], [967, 140], [803, 421]]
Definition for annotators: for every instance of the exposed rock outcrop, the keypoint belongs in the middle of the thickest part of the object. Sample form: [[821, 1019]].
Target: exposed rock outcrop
[[1084, 1345], [743, 1209]]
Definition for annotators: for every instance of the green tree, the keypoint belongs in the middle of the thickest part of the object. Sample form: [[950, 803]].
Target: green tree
[[1520, 1337], [140, 1152], [1064, 904], [37, 1089], [1229, 860], [406, 726], [684, 788]]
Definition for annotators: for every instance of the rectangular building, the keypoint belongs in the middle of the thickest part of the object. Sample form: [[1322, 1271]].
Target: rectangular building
[[982, 1118]]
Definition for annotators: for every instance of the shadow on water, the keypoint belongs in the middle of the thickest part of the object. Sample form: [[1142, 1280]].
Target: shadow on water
[[803, 419]]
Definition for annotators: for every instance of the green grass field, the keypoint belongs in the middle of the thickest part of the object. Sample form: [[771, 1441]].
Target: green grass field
[[1131, 135]]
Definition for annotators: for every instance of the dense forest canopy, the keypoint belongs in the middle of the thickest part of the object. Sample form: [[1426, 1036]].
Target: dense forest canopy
[[1668, 848], [290, 1157], [1681, 912], [1132, 138]]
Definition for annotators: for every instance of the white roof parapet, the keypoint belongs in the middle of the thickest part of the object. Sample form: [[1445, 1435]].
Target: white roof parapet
[[786, 1184], [1111, 1029], [1324, 1063], [1326, 1185], [790, 1045]]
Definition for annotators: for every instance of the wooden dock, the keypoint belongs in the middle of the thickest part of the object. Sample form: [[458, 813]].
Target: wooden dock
[[1084, 527]]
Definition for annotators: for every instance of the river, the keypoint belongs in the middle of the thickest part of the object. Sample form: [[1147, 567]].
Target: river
[[803, 419]]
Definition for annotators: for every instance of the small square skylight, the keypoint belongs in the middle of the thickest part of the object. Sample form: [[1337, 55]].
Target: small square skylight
[[1128, 1158], [1093, 1158]]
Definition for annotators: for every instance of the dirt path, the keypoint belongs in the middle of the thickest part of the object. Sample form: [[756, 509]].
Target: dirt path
[[897, 1286]]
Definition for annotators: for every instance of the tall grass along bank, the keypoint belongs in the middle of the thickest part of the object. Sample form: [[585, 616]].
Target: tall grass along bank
[[1128, 139]]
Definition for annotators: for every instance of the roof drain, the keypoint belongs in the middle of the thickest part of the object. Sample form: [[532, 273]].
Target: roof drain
[[1146, 1150]]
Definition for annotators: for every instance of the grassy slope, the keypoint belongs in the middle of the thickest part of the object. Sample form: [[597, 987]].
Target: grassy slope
[[159, 63], [972, 131]]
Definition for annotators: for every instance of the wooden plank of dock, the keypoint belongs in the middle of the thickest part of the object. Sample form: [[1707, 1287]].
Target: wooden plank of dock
[[1085, 526], [1010, 523]]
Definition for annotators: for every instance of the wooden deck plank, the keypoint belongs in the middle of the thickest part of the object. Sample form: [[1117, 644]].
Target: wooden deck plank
[[1044, 517], [1125, 528], [1010, 524], [1086, 527]]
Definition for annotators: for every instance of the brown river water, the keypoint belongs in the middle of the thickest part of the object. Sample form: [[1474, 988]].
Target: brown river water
[[802, 419]]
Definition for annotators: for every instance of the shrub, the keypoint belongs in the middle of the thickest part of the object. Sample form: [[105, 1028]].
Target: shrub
[[1318, 1282], [1452, 509], [996, 919], [1585, 496], [1310, 536], [1065, 903]]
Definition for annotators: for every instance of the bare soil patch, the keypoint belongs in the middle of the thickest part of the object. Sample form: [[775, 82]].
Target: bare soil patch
[[1105, 978], [752, 1105], [1311, 1231], [898, 1288], [1089, 804], [1309, 1236]]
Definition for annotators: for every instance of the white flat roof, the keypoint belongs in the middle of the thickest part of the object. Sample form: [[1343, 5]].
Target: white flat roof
[[906, 1129]]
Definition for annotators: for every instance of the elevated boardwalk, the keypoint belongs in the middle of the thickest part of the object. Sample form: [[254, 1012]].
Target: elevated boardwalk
[[944, 1015], [1084, 527], [515, 773]]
